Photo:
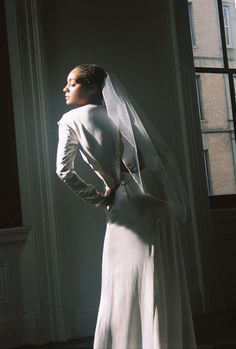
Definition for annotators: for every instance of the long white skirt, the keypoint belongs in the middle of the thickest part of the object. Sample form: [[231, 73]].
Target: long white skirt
[[144, 300]]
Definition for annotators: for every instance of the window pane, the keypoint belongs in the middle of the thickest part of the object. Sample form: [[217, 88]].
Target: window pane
[[199, 96], [218, 134], [204, 21], [207, 171], [229, 12], [191, 23]]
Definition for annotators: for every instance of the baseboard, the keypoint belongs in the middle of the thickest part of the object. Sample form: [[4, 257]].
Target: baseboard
[[37, 329], [11, 331], [67, 324]]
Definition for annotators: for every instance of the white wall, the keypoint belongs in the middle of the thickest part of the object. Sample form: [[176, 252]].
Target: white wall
[[61, 260]]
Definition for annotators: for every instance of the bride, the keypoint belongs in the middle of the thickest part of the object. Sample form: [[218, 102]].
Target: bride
[[144, 299]]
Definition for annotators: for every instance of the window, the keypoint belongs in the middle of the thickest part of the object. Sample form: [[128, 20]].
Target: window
[[190, 13], [207, 171], [227, 25], [215, 67], [199, 96]]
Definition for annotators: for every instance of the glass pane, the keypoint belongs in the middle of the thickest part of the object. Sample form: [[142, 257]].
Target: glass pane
[[204, 27], [229, 12], [218, 135]]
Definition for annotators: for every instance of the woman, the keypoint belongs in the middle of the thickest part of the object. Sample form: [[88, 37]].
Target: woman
[[144, 301]]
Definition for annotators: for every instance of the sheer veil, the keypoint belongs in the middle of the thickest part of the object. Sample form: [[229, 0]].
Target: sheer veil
[[154, 167]]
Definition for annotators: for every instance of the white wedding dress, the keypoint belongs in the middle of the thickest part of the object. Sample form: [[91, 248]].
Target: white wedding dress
[[144, 299]]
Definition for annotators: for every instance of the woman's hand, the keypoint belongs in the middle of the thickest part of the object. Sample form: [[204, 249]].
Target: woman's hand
[[109, 196]]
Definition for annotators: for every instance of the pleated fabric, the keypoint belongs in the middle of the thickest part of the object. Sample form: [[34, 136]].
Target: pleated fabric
[[144, 297]]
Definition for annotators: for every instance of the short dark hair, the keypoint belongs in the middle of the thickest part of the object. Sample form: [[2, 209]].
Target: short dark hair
[[92, 74]]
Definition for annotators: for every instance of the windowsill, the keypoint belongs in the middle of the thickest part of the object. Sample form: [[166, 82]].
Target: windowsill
[[223, 202], [14, 235]]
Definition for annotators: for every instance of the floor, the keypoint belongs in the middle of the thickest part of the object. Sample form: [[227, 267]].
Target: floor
[[213, 331]]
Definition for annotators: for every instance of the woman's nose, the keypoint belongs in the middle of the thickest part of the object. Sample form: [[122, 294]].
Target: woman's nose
[[65, 89]]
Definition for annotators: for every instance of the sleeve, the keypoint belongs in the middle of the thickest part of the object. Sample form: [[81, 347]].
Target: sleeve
[[68, 146]]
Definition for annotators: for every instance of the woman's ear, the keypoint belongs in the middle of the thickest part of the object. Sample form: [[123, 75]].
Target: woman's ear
[[93, 87], [93, 90]]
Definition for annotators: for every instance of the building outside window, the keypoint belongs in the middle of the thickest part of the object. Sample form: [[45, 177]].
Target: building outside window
[[215, 67]]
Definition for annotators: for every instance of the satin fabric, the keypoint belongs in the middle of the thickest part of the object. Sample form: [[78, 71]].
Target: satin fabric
[[144, 298]]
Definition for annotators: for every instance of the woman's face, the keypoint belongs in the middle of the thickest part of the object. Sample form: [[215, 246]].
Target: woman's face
[[75, 92]]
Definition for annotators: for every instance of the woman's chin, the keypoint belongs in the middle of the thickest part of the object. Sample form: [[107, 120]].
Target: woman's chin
[[69, 103], [74, 104]]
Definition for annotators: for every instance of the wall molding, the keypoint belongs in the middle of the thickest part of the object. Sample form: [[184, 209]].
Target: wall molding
[[12, 241], [14, 235], [11, 331]]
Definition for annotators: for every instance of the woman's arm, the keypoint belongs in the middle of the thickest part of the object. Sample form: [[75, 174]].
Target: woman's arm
[[66, 152]]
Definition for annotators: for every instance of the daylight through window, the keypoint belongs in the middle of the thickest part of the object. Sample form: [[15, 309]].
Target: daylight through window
[[213, 34]]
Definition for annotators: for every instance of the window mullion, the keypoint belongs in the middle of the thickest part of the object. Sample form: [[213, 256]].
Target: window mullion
[[215, 70]]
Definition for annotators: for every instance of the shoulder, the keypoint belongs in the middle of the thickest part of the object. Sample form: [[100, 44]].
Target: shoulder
[[68, 117], [84, 114], [91, 113]]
